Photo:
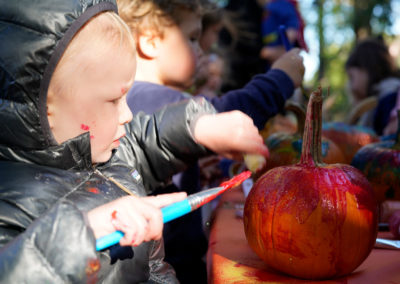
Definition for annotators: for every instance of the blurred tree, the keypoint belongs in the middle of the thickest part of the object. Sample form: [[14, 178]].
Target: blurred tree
[[320, 6], [339, 24], [370, 17]]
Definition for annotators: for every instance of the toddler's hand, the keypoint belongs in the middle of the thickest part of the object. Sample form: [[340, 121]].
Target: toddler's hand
[[139, 218], [292, 64], [230, 134]]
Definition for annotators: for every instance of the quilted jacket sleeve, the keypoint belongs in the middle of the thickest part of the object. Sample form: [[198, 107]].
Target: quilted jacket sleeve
[[162, 144], [45, 252], [160, 271]]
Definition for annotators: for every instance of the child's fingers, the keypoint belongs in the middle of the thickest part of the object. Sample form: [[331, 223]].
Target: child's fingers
[[255, 147], [155, 225], [139, 220], [131, 237], [129, 226], [142, 227], [162, 200], [149, 221]]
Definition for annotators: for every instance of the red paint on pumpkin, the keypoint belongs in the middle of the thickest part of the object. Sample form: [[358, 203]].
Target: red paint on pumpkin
[[263, 276]]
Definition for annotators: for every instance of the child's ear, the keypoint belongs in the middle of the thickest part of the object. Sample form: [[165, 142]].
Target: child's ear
[[148, 44]]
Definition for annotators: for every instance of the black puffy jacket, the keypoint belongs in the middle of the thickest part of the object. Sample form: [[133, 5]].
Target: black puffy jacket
[[46, 188]]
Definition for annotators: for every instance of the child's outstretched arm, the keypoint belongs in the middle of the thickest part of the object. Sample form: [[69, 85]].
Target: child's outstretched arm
[[230, 134], [139, 218], [162, 144], [265, 95]]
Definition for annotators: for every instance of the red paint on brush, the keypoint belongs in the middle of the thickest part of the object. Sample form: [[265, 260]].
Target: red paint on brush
[[236, 180]]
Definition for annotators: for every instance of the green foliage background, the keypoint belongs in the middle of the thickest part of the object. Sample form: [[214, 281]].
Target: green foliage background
[[357, 18]]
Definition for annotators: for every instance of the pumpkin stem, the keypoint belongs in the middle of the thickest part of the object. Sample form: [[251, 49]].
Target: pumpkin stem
[[396, 145], [300, 114], [311, 153]]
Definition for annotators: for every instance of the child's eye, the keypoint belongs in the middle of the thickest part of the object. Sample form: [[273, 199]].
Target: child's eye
[[115, 101]]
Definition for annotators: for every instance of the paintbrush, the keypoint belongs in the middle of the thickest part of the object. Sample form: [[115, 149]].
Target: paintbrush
[[178, 209], [284, 38]]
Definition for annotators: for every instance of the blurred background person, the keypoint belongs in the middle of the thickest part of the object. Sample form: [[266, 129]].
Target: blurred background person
[[275, 14], [372, 73]]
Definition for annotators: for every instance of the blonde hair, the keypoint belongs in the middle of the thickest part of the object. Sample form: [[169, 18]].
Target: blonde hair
[[107, 32], [156, 14]]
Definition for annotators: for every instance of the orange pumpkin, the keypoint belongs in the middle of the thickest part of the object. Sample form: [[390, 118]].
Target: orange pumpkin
[[279, 123], [349, 138], [312, 220], [285, 148], [380, 163]]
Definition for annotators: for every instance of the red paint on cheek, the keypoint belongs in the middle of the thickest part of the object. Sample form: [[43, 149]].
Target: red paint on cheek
[[123, 90], [93, 190], [114, 214], [91, 136], [85, 127]]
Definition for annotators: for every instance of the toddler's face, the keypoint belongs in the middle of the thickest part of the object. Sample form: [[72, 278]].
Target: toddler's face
[[358, 82], [96, 101], [180, 50], [209, 36]]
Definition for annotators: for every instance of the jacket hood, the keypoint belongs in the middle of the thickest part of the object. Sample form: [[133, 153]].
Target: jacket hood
[[33, 37]]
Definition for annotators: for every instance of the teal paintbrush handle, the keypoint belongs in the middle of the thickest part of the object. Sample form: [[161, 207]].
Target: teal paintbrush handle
[[108, 240], [180, 208], [175, 210]]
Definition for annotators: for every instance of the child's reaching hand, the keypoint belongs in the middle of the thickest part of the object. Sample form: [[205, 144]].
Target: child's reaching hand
[[292, 64], [139, 218], [230, 134]]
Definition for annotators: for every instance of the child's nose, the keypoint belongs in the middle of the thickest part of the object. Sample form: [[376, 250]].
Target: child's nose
[[125, 114]]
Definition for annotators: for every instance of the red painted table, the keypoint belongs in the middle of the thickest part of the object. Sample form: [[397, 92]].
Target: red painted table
[[231, 260]]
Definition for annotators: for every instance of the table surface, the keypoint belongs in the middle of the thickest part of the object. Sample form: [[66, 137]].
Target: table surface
[[231, 260]]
